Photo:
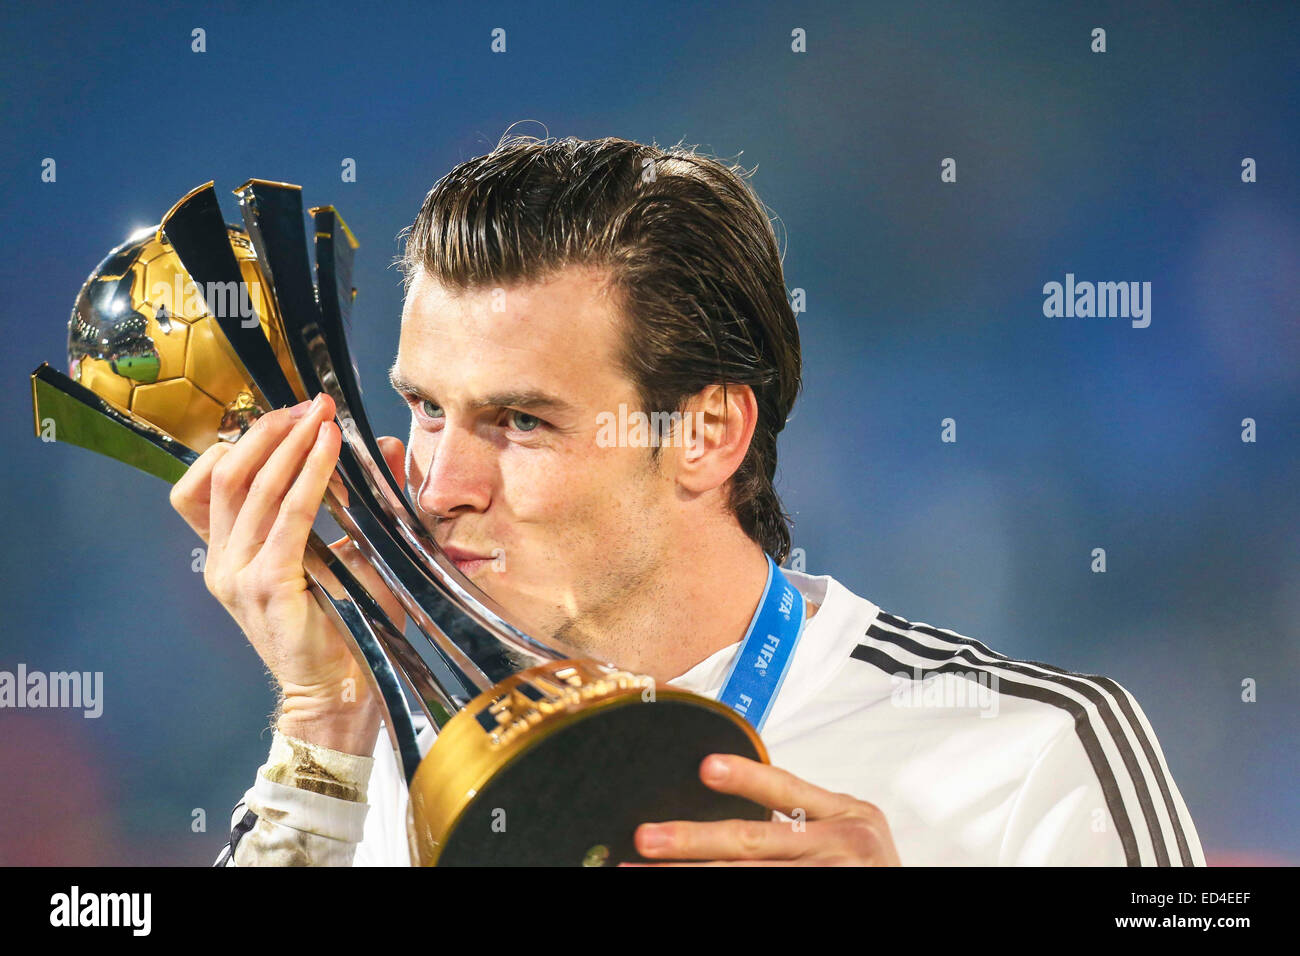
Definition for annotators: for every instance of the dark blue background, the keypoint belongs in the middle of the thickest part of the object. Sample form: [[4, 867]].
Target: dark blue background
[[924, 302]]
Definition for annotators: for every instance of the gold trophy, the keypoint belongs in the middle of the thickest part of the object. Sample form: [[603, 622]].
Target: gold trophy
[[189, 331]]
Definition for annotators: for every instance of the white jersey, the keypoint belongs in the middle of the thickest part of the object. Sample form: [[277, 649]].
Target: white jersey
[[974, 758]]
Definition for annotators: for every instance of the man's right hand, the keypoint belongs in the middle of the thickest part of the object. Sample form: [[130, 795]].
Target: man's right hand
[[254, 503]]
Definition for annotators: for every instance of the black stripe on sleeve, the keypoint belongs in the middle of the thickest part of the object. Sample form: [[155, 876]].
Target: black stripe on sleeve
[[1105, 776], [1083, 683], [1077, 710]]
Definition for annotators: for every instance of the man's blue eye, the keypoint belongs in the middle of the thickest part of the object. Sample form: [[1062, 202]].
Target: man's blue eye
[[429, 409], [524, 422]]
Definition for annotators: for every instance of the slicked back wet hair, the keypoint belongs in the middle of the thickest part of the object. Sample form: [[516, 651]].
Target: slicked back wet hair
[[692, 261]]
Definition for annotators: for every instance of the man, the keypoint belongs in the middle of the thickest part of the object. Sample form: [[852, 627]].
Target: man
[[551, 287]]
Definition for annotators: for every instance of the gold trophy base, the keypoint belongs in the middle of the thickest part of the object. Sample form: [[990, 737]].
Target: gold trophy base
[[557, 765]]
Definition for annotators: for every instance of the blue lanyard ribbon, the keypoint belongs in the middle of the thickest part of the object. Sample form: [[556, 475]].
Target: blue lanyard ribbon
[[765, 653]]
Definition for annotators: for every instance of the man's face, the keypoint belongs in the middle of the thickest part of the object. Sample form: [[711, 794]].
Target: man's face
[[503, 463]]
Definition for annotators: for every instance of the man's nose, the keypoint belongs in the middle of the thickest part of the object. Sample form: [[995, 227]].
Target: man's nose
[[458, 476]]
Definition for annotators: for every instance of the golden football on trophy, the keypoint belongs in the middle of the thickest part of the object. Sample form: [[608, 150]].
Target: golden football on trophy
[[142, 335]]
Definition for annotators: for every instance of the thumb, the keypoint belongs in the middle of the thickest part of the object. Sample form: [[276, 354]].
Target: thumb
[[394, 453]]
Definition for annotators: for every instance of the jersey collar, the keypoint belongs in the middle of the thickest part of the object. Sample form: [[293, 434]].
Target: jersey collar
[[839, 625]]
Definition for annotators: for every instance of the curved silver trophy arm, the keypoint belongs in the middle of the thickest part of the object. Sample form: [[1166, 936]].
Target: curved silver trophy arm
[[327, 345], [84, 419]]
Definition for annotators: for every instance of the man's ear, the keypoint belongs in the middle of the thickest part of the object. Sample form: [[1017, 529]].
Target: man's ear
[[717, 426]]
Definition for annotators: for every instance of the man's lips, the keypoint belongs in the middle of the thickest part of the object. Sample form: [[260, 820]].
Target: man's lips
[[465, 560]]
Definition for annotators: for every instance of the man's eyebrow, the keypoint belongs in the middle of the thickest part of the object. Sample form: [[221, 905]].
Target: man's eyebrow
[[521, 398]]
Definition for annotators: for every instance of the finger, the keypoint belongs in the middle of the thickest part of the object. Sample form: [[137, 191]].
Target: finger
[[272, 481], [230, 481], [772, 787], [282, 550], [394, 453], [723, 840], [191, 496]]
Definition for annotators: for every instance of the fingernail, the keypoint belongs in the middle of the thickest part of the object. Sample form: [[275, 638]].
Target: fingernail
[[716, 770], [653, 837], [299, 410]]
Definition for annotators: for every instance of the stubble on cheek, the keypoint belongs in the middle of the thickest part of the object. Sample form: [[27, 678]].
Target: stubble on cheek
[[613, 562]]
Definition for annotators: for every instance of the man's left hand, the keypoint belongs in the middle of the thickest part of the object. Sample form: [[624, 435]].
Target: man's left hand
[[825, 829]]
